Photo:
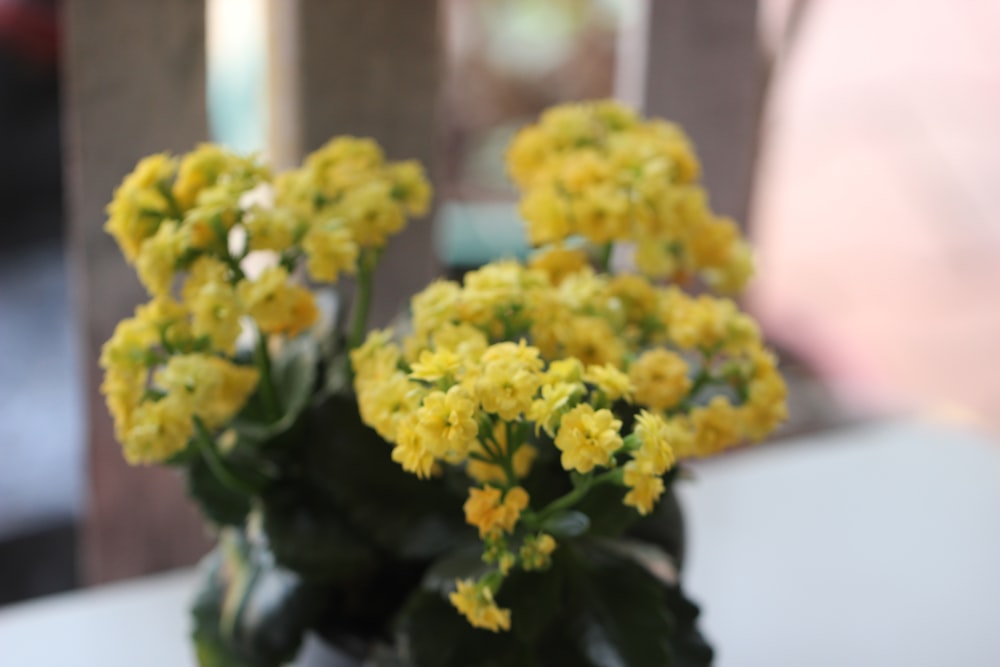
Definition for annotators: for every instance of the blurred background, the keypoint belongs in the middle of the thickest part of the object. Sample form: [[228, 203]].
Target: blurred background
[[857, 141]]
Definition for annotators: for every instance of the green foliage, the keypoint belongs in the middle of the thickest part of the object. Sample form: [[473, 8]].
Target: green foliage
[[594, 607], [220, 504], [309, 535], [345, 539], [406, 517]]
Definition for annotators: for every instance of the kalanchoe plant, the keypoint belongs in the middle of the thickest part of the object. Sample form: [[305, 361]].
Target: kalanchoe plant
[[490, 485]]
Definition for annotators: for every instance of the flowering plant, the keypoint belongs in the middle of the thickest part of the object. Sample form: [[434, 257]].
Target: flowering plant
[[535, 414]]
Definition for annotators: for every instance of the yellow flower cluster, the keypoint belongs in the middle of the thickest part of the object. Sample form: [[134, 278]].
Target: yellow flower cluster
[[618, 376], [159, 380], [598, 171], [345, 200], [186, 224]]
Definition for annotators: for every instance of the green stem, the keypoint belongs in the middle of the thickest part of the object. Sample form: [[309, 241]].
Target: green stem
[[263, 359], [215, 463], [507, 458], [604, 257], [364, 300], [576, 495]]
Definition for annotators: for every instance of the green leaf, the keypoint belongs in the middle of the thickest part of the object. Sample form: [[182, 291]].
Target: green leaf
[[568, 523], [218, 502], [293, 374], [688, 647], [402, 514], [609, 516], [535, 600], [614, 613], [431, 633], [664, 527], [309, 535]]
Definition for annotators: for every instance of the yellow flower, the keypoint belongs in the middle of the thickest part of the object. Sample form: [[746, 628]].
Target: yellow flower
[[411, 186], [447, 423], [330, 251], [159, 429], [215, 388], [276, 304], [591, 340], [434, 306], [601, 214], [527, 154], [123, 390], [204, 270], [209, 164], [610, 381], [660, 378], [645, 488], [216, 313], [158, 256], [536, 552], [654, 454], [440, 364], [509, 380], [475, 602], [410, 451], [587, 438], [129, 345], [270, 229], [716, 426], [168, 318], [766, 406], [140, 203], [371, 213], [494, 512], [547, 215], [383, 404], [492, 293], [712, 242], [372, 353], [731, 277], [559, 262], [556, 399], [465, 340], [705, 322], [565, 370], [654, 258], [637, 296]]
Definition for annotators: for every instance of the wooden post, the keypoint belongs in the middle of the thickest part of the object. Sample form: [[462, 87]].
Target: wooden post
[[134, 85], [368, 68], [699, 63]]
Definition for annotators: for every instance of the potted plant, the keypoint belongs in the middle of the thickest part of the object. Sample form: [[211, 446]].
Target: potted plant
[[488, 483]]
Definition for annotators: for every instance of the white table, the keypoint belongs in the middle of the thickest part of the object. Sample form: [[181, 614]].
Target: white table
[[872, 547], [877, 546]]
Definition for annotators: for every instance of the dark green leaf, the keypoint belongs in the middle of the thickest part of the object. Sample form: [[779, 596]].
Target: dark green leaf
[[614, 614], [218, 502], [433, 634], [535, 600], [311, 537], [664, 527], [609, 516], [294, 373], [402, 514], [687, 645]]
